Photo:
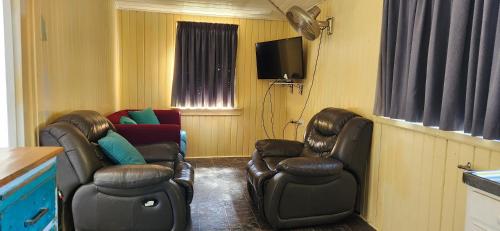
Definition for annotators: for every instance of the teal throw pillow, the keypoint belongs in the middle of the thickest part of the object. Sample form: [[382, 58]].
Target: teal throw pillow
[[127, 120], [120, 150], [146, 116]]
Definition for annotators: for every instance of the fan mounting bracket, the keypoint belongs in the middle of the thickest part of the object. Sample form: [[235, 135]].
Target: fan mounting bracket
[[327, 25]]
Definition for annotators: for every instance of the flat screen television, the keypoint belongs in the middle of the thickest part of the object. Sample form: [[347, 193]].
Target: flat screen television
[[280, 59]]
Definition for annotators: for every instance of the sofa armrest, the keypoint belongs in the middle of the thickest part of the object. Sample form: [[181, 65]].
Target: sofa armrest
[[114, 118], [171, 116], [277, 148], [131, 176], [142, 134], [168, 151], [310, 166]]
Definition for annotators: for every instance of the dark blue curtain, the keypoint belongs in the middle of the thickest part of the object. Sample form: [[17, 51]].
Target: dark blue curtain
[[205, 63], [440, 64]]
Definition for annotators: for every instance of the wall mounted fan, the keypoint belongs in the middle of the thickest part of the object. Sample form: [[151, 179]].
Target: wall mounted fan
[[305, 22]]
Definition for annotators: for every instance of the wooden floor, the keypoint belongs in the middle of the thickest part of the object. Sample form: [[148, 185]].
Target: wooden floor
[[221, 200]]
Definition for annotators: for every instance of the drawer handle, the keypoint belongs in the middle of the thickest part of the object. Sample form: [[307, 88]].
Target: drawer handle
[[36, 218]]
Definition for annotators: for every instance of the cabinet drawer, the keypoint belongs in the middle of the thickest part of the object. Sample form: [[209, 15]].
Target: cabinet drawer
[[33, 211], [483, 212]]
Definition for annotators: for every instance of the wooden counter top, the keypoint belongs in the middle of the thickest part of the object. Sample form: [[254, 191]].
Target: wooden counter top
[[16, 161]]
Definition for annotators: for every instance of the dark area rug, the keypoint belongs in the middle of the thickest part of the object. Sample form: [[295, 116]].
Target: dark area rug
[[221, 200]]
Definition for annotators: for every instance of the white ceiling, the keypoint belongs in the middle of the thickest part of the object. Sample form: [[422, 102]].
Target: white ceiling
[[261, 9]]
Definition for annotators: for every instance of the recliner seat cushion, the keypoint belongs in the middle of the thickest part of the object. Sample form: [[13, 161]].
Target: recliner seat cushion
[[279, 148], [159, 152], [168, 164]]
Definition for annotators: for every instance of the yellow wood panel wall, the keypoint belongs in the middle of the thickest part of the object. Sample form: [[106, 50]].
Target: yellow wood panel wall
[[414, 183], [347, 64], [74, 67], [147, 43], [414, 180]]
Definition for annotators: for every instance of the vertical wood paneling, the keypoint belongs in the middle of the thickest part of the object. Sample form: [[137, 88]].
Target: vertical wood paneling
[[450, 185], [481, 159], [466, 155], [29, 71], [140, 46], [75, 67], [424, 183], [419, 186], [148, 44], [436, 197], [495, 160]]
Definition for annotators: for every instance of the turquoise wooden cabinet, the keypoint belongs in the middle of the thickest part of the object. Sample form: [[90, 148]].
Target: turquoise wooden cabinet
[[28, 189]]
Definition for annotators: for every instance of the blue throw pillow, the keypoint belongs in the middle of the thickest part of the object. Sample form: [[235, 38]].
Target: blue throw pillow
[[127, 120], [183, 143], [120, 150], [146, 116]]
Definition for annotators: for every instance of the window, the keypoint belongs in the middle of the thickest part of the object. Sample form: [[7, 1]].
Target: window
[[205, 63], [439, 65]]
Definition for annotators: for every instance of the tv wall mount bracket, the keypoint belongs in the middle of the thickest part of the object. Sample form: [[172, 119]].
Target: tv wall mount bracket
[[291, 85]]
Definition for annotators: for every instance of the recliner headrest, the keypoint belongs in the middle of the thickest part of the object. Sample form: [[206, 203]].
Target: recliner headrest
[[92, 124], [330, 121]]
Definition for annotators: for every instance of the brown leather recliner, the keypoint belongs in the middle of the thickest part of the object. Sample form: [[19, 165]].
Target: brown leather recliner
[[321, 180], [95, 194]]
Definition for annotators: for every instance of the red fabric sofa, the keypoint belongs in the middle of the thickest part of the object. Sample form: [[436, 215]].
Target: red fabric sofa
[[142, 134]]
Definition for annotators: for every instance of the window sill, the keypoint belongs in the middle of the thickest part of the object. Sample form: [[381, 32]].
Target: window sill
[[211, 112], [449, 135]]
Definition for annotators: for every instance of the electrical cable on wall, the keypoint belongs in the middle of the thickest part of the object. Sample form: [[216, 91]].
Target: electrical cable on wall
[[272, 113], [284, 128], [310, 90], [263, 107]]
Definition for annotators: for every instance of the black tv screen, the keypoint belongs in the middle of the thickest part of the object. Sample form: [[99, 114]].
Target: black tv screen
[[280, 59]]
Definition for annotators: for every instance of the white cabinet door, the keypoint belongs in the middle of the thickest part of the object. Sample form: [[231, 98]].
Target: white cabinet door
[[483, 211]]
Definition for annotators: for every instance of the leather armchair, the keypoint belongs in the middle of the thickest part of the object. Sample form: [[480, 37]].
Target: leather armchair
[[318, 181], [95, 194]]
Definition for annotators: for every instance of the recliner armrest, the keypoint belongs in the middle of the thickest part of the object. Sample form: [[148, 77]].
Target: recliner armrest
[[132, 176], [310, 166], [284, 148]]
